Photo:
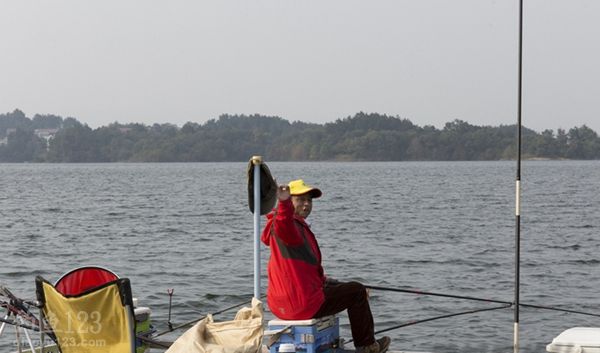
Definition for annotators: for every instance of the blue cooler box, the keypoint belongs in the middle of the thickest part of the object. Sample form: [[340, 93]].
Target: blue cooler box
[[308, 336]]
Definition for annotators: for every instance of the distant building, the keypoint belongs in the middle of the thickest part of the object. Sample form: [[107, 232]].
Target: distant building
[[124, 130], [46, 134], [9, 131]]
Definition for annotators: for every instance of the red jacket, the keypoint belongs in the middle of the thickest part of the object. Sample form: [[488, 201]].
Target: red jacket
[[296, 277]]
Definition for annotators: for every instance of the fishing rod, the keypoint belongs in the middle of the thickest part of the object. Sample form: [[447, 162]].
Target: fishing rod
[[558, 309], [16, 307], [185, 324], [15, 323], [533, 306], [153, 343], [437, 294], [518, 187], [410, 323]]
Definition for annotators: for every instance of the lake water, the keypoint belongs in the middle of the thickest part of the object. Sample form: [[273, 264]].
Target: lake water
[[444, 227]]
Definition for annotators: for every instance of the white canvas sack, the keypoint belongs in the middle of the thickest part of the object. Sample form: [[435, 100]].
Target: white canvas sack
[[243, 334]]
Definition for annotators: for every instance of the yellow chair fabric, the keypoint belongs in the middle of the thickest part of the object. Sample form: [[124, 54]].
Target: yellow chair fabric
[[97, 321]]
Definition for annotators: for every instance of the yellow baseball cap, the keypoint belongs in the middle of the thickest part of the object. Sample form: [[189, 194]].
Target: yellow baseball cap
[[299, 187]]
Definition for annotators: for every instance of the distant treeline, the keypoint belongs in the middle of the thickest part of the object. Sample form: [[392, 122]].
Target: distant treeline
[[362, 137]]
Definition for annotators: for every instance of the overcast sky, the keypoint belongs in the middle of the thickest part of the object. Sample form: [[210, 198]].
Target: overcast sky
[[431, 61]]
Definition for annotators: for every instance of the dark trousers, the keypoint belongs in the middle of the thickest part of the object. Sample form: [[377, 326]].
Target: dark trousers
[[340, 296]]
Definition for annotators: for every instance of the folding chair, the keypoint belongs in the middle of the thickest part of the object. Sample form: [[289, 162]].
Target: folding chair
[[97, 320]]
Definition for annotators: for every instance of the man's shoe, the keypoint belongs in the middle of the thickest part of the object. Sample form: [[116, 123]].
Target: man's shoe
[[384, 344], [372, 348], [379, 346]]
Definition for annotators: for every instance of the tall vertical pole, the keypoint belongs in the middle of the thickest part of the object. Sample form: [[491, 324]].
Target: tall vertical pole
[[257, 161], [518, 187], [41, 320]]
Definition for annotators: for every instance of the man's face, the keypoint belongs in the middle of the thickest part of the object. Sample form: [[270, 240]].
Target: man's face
[[302, 205]]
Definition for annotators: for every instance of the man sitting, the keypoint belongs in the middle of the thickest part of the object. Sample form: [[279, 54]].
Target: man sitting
[[298, 288]]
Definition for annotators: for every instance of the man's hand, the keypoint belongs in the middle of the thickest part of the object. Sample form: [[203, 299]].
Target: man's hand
[[283, 192]]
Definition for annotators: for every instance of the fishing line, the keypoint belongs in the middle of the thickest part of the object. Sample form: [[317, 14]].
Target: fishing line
[[473, 311]]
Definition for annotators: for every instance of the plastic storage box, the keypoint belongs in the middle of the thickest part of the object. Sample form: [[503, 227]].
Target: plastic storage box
[[576, 340], [308, 336]]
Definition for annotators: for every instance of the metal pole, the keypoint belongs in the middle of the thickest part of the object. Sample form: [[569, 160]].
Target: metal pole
[[3, 324], [257, 161], [18, 336], [41, 328], [28, 337], [518, 187]]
